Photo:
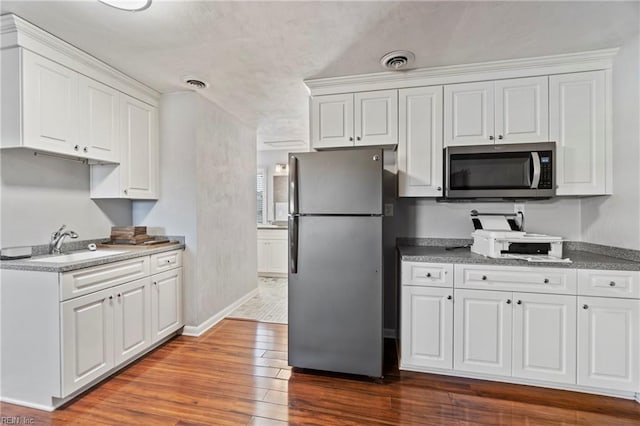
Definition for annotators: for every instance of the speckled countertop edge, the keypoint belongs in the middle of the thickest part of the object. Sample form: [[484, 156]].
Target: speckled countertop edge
[[32, 264], [583, 255]]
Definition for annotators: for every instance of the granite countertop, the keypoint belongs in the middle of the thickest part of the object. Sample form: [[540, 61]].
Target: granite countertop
[[580, 259], [39, 263]]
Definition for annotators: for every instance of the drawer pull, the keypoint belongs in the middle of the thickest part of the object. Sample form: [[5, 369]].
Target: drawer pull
[[585, 306], [519, 302], [449, 297], [428, 275], [612, 283], [484, 278], [168, 260], [508, 301], [546, 280]]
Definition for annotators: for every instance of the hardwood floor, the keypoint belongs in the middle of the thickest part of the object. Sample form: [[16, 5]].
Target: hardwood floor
[[237, 373]]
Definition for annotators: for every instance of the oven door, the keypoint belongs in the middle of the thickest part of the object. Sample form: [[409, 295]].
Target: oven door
[[500, 171]]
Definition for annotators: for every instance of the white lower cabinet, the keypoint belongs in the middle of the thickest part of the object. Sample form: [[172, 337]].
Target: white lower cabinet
[[273, 254], [579, 330], [609, 343], [427, 327], [166, 303], [132, 333]]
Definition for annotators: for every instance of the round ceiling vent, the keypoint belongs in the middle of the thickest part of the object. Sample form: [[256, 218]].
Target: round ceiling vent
[[397, 60], [195, 83]]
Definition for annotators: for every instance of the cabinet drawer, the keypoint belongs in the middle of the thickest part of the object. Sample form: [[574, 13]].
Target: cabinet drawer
[[427, 274], [165, 261], [609, 283], [516, 278], [88, 280]]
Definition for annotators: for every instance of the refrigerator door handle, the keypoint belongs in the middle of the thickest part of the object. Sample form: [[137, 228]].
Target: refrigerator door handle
[[293, 244], [293, 184]]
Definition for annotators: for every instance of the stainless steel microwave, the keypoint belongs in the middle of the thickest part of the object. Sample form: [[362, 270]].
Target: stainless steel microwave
[[525, 170]]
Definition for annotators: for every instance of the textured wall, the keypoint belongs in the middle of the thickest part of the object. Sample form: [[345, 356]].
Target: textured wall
[[40, 193], [615, 220], [207, 187]]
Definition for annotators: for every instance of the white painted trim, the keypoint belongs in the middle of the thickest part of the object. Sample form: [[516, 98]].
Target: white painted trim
[[638, 397], [390, 333], [16, 32], [494, 70], [518, 381], [195, 331], [28, 404]]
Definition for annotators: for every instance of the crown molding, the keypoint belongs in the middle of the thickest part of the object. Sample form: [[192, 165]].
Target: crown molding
[[16, 32], [510, 68]]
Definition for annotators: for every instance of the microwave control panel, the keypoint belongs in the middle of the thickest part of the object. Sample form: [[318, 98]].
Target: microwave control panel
[[546, 170]]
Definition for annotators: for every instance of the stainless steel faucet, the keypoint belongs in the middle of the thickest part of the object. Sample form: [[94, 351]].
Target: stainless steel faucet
[[58, 237]]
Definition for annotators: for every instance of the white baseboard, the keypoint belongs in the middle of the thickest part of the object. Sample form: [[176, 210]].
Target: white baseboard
[[195, 331], [638, 397], [42, 407], [390, 333]]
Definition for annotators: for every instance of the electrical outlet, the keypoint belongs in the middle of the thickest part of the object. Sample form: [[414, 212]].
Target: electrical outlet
[[388, 209]]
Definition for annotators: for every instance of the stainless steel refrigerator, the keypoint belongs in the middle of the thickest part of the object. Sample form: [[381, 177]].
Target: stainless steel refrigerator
[[335, 261]]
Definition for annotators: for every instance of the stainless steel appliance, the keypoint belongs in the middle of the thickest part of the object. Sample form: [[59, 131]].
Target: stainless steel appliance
[[335, 261], [501, 171]]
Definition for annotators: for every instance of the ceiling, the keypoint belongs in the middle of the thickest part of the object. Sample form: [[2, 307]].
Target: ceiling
[[255, 55]]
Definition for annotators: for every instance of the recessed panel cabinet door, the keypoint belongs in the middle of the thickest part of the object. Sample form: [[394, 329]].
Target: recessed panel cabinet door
[[427, 327], [420, 142], [166, 303], [87, 339], [98, 120], [132, 319], [577, 125], [522, 110], [50, 94], [468, 114], [544, 337], [482, 331], [139, 158], [609, 343], [332, 121], [376, 118]]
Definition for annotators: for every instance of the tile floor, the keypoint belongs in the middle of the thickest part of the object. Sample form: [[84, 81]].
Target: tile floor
[[269, 305]]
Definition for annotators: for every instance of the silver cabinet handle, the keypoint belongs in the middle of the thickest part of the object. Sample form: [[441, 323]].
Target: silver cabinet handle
[[585, 306], [612, 283]]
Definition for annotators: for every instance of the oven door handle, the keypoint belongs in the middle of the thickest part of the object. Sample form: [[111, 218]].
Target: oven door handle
[[535, 179]]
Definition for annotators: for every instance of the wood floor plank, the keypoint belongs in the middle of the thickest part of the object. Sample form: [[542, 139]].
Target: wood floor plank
[[237, 373]]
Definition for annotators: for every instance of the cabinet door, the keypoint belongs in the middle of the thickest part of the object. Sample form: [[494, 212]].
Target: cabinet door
[[263, 256], [577, 125], [332, 121], [132, 319], [482, 331], [426, 327], [522, 110], [98, 120], [376, 118], [279, 256], [87, 339], [166, 303], [544, 337], [50, 96], [139, 158], [420, 142], [468, 114], [609, 343]]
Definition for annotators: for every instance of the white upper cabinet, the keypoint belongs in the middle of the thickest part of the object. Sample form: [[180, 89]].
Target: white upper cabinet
[[420, 142], [332, 121], [98, 120], [468, 114], [521, 110], [360, 119], [578, 126], [501, 111]]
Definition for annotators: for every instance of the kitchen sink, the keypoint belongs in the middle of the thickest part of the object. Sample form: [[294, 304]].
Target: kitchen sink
[[77, 256]]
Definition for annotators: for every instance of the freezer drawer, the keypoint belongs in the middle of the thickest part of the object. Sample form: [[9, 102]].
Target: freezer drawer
[[335, 298]]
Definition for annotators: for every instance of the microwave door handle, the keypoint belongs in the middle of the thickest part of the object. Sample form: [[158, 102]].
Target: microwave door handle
[[535, 180]]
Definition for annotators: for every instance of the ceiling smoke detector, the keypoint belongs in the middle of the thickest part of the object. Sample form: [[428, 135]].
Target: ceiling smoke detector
[[195, 83], [397, 60]]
